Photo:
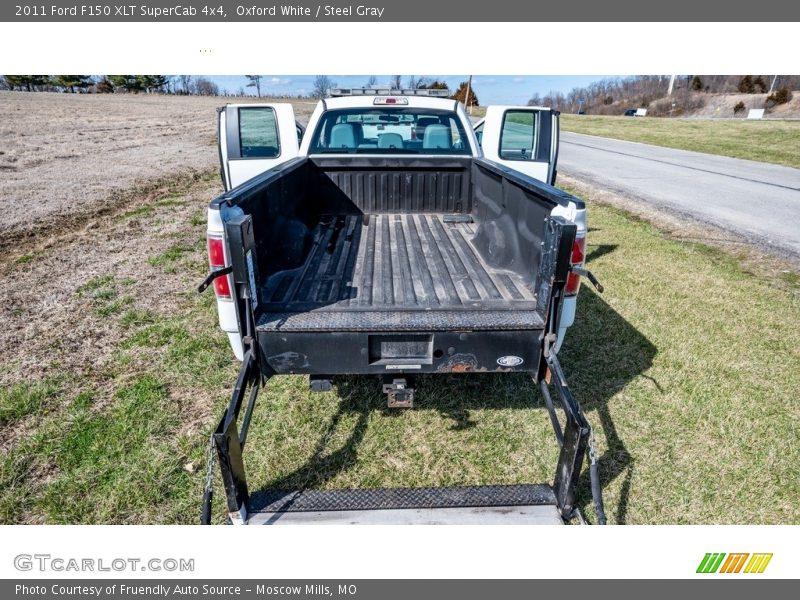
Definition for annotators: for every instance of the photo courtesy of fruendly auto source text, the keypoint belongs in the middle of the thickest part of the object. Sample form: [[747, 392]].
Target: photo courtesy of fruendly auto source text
[[440, 281]]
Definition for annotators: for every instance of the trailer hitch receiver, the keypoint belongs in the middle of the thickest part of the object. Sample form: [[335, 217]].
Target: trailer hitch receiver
[[399, 391]]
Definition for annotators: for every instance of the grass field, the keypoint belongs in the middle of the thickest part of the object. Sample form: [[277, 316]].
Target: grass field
[[688, 368], [767, 141], [63, 154]]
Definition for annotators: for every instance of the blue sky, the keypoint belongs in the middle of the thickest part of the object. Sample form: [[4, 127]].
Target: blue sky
[[491, 89]]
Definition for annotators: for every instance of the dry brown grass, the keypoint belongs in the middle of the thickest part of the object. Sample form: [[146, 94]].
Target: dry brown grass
[[69, 154]]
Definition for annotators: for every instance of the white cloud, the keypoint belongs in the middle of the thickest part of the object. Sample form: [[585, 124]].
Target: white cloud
[[279, 81], [518, 80]]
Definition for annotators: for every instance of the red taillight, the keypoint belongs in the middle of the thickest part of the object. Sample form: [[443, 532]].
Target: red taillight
[[577, 258], [216, 252], [222, 287], [216, 258]]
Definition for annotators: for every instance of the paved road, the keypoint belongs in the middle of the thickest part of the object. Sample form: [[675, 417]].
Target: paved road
[[757, 200]]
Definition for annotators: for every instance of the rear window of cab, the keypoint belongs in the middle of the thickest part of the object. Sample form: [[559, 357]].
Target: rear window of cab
[[381, 130]]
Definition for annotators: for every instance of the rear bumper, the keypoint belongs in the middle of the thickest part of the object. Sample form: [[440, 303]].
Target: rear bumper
[[365, 352]]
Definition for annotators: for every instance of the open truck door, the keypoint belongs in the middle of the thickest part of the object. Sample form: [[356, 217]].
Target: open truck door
[[254, 138], [523, 138], [251, 138]]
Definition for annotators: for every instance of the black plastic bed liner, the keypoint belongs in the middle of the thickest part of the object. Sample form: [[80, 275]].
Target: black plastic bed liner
[[397, 272]]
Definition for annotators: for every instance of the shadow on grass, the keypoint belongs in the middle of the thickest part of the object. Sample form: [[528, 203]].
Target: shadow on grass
[[600, 250], [602, 354]]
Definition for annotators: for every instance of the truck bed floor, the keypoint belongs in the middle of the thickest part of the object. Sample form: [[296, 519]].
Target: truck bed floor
[[371, 271]]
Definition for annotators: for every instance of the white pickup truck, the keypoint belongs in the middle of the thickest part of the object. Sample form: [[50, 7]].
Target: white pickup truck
[[391, 238], [254, 138]]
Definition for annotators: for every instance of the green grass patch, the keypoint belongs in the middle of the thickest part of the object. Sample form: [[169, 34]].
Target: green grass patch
[[171, 202], [114, 307], [19, 400], [170, 257], [97, 283], [117, 463], [136, 318], [767, 141], [24, 259], [793, 279], [150, 209], [156, 334], [104, 296]]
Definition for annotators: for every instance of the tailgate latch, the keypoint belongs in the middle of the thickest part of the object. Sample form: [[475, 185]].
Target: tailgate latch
[[588, 274], [212, 276]]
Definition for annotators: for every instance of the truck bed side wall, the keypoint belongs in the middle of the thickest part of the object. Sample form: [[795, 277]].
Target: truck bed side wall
[[510, 217], [279, 203]]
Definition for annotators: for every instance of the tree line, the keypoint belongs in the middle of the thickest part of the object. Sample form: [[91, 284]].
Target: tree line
[[202, 86], [111, 84]]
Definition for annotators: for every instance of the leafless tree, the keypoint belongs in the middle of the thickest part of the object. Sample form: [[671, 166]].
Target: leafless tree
[[415, 83], [186, 83], [372, 81], [322, 83], [205, 87], [536, 100], [255, 81]]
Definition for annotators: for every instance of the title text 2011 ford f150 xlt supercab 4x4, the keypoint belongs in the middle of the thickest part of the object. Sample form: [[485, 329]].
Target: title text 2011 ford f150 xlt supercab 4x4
[[392, 238]]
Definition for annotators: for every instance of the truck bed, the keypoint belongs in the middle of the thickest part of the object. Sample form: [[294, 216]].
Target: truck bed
[[396, 272]]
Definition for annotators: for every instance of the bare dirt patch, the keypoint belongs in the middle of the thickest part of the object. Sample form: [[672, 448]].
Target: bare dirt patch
[[722, 105]]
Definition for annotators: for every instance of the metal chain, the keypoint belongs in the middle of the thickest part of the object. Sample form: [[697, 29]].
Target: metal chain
[[592, 447], [210, 464]]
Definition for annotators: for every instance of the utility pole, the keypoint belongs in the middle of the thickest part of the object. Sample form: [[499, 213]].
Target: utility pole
[[671, 85], [772, 85], [467, 97]]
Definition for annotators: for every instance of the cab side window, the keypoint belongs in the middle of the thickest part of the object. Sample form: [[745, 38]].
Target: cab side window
[[258, 132], [518, 135], [479, 134]]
